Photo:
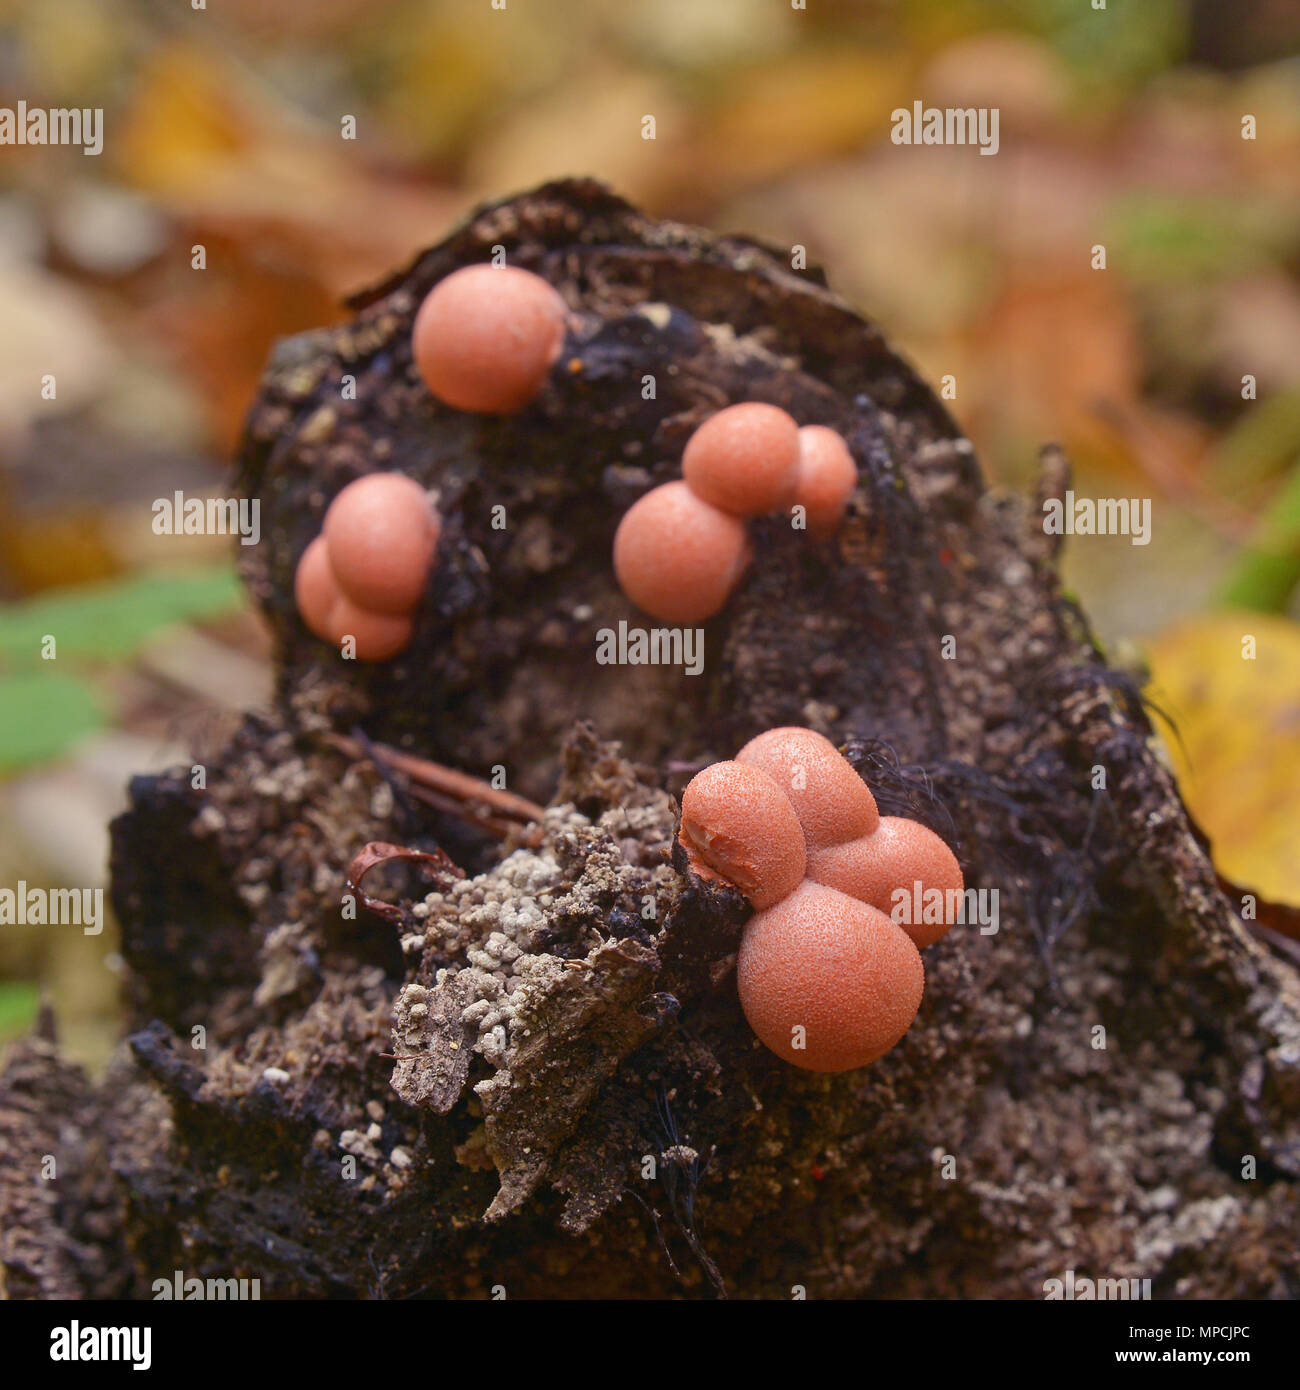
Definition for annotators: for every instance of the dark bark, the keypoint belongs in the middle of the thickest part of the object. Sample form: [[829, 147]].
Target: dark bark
[[502, 1093]]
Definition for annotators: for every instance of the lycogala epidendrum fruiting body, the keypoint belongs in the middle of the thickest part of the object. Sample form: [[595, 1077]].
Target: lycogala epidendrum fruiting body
[[486, 337], [738, 821], [901, 863], [381, 533], [827, 982], [315, 589], [744, 459], [824, 480], [359, 582], [372, 636], [677, 556], [828, 972], [832, 802]]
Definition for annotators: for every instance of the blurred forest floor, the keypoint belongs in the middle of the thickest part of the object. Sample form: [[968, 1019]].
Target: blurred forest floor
[[224, 128]]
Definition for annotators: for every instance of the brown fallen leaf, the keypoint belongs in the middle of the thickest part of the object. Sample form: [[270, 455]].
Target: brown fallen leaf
[[378, 852]]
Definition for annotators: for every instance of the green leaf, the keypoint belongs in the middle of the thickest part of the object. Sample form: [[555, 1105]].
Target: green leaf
[[1161, 240], [1115, 48], [1268, 568], [1263, 444], [19, 1002], [110, 621], [42, 713]]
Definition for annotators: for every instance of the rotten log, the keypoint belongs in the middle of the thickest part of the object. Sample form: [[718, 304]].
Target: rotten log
[[539, 1077]]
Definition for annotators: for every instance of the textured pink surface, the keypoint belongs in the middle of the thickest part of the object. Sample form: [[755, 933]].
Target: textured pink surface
[[486, 336], [834, 966], [377, 635], [381, 533], [832, 802], [740, 823], [314, 588], [676, 556], [825, 478], [900, 854], [744, 459]]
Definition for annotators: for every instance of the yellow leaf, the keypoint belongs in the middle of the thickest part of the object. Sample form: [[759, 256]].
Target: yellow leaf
[[1239, 721], [777, 116]]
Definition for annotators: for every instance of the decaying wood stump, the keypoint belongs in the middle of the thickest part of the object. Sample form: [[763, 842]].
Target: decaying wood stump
[[544, 1085]]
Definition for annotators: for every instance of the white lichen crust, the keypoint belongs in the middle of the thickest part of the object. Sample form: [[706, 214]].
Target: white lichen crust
[[536, 968]]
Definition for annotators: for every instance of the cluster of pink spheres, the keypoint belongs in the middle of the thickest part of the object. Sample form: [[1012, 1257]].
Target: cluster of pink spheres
[[363, 576], [682, 548], [827, 978], [484, 340]]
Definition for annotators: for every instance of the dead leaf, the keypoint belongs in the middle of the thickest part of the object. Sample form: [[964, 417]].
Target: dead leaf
[[1238, 754]]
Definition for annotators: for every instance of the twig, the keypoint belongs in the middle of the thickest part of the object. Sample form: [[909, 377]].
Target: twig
[[493, 824], [446, 788]]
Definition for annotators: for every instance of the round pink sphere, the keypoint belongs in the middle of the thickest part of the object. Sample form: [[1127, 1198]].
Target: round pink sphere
[[826, 982], [381, 533], [832, 802], [376, 636], [825, 478], [486, 337], [741, 824], [896, 870], [677, 557], [315, 589], [744, 459]]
